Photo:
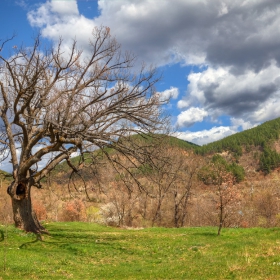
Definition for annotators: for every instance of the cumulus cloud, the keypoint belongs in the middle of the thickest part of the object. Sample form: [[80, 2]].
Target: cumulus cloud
[[191, 116], [222, 32], [236, 43], [240, 123], [241, 96], [206, 136], [239, 34], [53, 12], [61, 19], [173, 93], [65, 7], [183, 104], [215, 133]]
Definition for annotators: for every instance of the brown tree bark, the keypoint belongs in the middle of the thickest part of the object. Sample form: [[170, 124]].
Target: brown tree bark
[[24, 216]]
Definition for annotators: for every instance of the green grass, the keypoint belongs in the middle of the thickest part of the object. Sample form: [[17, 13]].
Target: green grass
[[90, 251]]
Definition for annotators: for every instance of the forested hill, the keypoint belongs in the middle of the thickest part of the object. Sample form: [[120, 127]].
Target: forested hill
[[262, 135], [260, 140]]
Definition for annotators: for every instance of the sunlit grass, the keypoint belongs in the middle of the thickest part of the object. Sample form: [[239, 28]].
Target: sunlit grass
[[90, 251]]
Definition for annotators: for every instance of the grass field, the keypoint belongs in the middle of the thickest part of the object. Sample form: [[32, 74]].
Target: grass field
[[90, 251]]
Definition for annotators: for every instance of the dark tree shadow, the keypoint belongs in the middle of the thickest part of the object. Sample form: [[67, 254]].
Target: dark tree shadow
[[2, 236], [206, 233], [38, 238]]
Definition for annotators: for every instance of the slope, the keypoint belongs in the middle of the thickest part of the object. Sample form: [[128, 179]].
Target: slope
[[257, 146]]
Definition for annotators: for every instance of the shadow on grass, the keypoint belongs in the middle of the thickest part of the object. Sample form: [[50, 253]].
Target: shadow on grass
[[2, 236], [38, 238], [83, 244], [206, 233]]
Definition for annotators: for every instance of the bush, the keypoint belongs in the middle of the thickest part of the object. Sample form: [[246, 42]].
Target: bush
[[93, 214], [208, 174], [237, 171], [74, 210]]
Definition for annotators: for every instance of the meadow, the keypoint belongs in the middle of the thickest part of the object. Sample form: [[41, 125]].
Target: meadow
[[89, 251]]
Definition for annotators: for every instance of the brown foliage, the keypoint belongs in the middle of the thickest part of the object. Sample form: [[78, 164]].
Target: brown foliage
[[73, 210], [40, 210]]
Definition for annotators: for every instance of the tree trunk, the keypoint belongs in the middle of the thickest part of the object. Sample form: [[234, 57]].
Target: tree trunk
[[157, 214], [24, 216], [221, 220], [221, 214]]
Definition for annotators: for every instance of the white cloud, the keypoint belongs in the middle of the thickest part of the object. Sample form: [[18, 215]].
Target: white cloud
[[237, 123], [173, 93], [41, 16], [65, 7], [247, 95], [207, 136], [183, 104], [191, 116], [61, 19]]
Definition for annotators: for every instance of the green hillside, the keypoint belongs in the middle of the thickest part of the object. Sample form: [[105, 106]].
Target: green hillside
[[261, 138], [167, 139], [262, 135]]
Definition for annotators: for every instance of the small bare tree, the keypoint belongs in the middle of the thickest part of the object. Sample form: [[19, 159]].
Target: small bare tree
[[55, 103], [227, 195]]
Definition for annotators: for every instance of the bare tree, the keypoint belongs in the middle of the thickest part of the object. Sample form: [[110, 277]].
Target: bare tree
[[162, 171], [226, 194], [57, 102], [188, 164]]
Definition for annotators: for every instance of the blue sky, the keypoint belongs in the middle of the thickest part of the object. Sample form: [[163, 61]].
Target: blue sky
[[220, 59]]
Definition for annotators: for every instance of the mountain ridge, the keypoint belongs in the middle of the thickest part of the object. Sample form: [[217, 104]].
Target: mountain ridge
[[256, 140]]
